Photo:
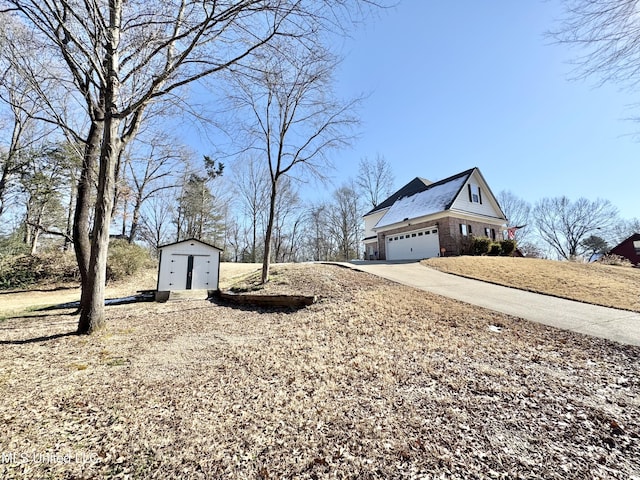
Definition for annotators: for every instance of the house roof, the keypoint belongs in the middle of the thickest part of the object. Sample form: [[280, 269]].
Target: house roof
[[416, 185], [433, 198], [632, 238], [187, 240], [627, 249]]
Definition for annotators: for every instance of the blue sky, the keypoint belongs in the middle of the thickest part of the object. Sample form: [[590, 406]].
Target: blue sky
[[455, 85]]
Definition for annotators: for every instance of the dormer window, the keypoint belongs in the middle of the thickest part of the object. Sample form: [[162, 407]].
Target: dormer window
[[475, 195]]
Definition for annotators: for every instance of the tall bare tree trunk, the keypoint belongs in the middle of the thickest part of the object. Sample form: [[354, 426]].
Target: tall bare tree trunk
[[254, 239], [81, 240], [69, 227], [4, 177], [135, 220], [92, 315], [266, 262]]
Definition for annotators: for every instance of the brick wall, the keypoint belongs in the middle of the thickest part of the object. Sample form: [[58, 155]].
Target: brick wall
[[457, 244], [448, 233]]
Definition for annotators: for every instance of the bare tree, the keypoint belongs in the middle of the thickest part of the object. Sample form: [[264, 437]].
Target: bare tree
[[151, 171], [252, 187], [518, 213], [375, 180], [624, 229], [564, 224], [295, 121], [606, 31], [345, 222], [319, 242], [156, 216], [286, 222], [24, 132], [123, 59]]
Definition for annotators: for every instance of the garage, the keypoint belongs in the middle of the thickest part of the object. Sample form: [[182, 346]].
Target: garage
[[414, 245]]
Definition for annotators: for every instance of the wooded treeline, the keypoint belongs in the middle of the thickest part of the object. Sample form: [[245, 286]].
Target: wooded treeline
[[165, 193]]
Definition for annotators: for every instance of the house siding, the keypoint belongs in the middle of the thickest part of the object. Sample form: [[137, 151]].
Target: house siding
[[370, 222]]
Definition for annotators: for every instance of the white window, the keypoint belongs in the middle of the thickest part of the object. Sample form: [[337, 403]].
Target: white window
[[475, 195]]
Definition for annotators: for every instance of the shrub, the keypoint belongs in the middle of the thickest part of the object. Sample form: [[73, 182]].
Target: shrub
[[480, 245], [464, 246], [17, 271], [495, 249], [507, 247], [21, 271], [125, 259], [12, 246], [617, 260]]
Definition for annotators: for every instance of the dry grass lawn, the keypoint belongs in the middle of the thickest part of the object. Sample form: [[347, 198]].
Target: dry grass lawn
[[19, 302], [610, 286], [376, 380]]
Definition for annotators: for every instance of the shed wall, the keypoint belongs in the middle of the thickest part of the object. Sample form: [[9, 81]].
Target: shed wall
[[178, 272]]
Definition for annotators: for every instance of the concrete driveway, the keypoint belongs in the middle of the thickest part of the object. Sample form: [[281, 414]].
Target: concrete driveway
[[618, 325]]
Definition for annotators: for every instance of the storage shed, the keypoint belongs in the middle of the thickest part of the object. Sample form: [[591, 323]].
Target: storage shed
[[188, 265]]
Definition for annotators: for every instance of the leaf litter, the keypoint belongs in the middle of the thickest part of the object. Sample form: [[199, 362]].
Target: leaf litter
[[376, 380]]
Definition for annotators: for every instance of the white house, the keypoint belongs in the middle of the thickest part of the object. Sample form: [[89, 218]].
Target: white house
[[188, 265], [427, 219]]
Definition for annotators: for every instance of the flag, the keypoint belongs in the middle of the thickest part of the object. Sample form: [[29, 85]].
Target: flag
[[511, 231]]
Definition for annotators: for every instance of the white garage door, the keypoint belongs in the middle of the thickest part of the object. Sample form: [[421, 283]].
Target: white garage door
[[415, 245]]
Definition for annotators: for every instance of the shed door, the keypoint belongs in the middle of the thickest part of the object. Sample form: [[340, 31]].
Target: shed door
[[175, 276], [204, 274], [189, 272]]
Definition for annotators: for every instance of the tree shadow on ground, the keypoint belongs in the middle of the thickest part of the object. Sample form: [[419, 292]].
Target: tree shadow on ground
[[30, 290], [46, 338]]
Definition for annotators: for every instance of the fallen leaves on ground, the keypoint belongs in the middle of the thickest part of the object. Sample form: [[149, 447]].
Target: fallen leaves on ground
[[376, 380]]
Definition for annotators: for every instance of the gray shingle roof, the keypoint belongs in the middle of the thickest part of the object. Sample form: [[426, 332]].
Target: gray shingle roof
[[436, 197], [414, 186]]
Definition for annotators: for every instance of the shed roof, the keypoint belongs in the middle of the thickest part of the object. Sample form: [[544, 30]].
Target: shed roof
[[188, 240]]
